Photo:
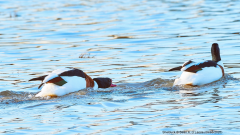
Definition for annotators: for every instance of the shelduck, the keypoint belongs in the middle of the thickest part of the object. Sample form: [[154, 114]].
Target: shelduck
[[66, 80], [200, 73]]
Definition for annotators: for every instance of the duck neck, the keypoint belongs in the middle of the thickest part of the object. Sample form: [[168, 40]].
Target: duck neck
[[95, 87], [215, 53]]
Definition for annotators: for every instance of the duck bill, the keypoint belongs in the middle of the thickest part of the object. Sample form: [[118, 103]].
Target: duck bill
[[113, 85]]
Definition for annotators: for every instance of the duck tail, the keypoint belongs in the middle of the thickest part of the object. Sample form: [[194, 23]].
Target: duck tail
[[176, 68], [41, 78]]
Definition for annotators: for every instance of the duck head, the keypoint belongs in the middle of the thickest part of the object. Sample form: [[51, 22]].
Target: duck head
[[215, 52], [104, 82]]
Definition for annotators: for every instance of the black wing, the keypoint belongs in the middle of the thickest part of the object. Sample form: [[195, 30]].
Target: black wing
[[180, 67], [199, 66], [41, 78], [73, 72], [176, 68]]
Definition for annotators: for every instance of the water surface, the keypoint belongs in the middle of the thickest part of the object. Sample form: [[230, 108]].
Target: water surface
[[132, 42]]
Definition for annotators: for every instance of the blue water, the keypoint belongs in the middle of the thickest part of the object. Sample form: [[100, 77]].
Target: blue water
[[132, 42]]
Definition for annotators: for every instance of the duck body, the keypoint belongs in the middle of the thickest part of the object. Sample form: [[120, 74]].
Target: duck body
[[67, 80], [194, 74], [73, 84], [203, 72]]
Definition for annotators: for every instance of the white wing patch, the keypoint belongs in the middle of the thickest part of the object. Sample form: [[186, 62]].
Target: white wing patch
[[61, 70], [54, 74]]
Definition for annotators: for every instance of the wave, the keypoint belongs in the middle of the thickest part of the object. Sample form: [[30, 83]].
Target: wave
[[125, 89]]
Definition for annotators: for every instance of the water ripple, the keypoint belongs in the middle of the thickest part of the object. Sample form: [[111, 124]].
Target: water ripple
[[134, 43]]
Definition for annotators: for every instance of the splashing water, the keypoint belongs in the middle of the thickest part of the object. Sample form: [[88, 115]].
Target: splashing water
[[123, 90]]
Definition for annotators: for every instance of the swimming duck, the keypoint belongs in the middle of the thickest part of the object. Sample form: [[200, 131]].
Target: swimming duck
[[204, 72], [66, 80]]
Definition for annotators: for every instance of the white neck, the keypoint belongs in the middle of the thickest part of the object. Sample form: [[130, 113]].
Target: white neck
[[95, 87], [220, 63]]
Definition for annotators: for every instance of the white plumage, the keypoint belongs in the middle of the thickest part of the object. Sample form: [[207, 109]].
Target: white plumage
[[74, 84], [200, 73], [66, 80]]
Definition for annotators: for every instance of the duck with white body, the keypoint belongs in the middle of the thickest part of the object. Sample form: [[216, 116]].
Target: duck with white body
[[67, 80], [200, 73]]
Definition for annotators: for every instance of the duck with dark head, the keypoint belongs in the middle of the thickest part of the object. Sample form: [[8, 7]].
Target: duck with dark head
[[66, 80], [202, 72]]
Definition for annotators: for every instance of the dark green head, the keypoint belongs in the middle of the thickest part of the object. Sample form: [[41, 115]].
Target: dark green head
[[215, 52]]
